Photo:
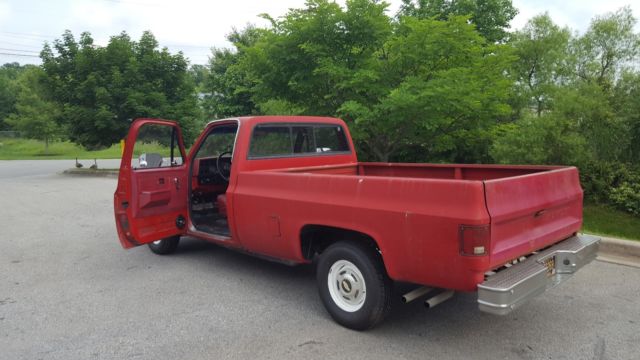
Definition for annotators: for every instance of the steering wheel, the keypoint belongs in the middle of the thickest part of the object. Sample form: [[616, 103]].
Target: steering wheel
[[223, 164]]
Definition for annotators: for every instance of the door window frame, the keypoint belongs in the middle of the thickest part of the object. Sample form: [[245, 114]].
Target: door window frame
[[127, 156]]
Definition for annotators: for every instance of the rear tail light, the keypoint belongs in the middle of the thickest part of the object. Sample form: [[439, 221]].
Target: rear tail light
[[474, 240]]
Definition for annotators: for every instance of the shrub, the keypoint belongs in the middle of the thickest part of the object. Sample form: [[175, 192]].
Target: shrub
[[548, 139], [599, 178], [626, 197]]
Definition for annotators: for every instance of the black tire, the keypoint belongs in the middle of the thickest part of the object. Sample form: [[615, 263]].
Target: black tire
[[377, 299], [165, 246]]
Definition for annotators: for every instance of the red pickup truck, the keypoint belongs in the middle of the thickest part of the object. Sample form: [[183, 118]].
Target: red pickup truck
[[291, 189]]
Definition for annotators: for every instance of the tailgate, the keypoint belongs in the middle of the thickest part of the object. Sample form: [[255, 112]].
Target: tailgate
[[532, 211]]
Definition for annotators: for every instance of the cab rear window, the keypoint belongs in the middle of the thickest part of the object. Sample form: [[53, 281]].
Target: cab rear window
[[281, 140]]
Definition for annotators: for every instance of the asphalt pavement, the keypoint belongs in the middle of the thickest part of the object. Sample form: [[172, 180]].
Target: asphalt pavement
[[69, 291]]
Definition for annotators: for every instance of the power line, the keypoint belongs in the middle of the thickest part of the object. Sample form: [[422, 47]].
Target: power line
[[25, 35], [32, 49], [27, 51], [24, 55], [45, 37], [2, 42], [200, 61], [190, 51]]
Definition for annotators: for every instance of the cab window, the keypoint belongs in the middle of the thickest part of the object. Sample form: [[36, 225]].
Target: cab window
[[270, 141], [279, 140], [330, 139]]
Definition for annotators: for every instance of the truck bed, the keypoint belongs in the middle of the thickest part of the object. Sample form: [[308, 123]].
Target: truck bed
[[414, 211], [429, 171], [529, 206]]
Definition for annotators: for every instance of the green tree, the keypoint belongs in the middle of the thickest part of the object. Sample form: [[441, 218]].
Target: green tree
[[542, 48], [581, 115], [8, 88], [600, 99], [588, 105], [546, 139], [607, 47], [7, 100], [34, 116], [491, 17], [444, 88], [626, 102], [417, 89], [102, 89], [198, 74], [317, 57], [227, 87], [578, 80]]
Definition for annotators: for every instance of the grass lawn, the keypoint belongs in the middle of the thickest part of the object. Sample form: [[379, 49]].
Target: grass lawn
[[604, 221], [29, 149]]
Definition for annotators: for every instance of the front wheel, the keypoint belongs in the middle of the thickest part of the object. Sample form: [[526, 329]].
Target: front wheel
[[165, 246], [353, 285]]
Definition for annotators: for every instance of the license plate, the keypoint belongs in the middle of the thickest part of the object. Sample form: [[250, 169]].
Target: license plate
[[550, 264]]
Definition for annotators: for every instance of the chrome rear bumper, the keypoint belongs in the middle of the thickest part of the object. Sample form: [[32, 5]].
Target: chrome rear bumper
[[510, 288]]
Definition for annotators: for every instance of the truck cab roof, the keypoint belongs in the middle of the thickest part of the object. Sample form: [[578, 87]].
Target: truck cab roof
[[251, 120]]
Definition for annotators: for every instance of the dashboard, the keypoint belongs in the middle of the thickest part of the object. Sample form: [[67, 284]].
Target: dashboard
[[208, 171]]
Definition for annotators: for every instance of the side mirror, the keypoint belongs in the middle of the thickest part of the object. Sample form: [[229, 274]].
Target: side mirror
[[142, 160], [150, 160]]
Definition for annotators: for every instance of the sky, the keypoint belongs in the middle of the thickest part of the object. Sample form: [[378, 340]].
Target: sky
[[194, 26]]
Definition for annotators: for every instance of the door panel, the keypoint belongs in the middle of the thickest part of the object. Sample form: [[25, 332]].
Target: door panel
[[151, 198], [160, 198]]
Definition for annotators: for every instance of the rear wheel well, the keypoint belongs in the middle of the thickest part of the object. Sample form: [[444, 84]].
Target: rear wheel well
[[314, 239]]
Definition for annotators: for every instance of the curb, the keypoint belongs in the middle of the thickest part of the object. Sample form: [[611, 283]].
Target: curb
[[618, 251], [620, 247], [93, 173]]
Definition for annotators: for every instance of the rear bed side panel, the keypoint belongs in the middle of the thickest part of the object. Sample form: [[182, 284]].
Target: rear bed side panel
[[414, 221], [533, 211]]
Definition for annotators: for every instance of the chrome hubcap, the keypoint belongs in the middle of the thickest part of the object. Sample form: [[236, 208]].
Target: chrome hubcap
[[346, 286]]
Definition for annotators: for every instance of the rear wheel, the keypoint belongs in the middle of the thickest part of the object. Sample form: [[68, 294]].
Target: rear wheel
[[353, 285], [165, 246]]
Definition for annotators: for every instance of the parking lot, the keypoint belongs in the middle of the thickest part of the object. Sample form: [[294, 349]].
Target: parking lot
[[69, 291]]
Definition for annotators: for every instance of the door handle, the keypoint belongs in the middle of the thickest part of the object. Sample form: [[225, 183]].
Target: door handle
[[176, 182]]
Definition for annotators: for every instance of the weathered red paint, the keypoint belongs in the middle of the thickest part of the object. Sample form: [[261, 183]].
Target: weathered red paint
[[412, 211]]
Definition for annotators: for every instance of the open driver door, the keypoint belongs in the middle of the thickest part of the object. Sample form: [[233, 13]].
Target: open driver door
[[150, 202]]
